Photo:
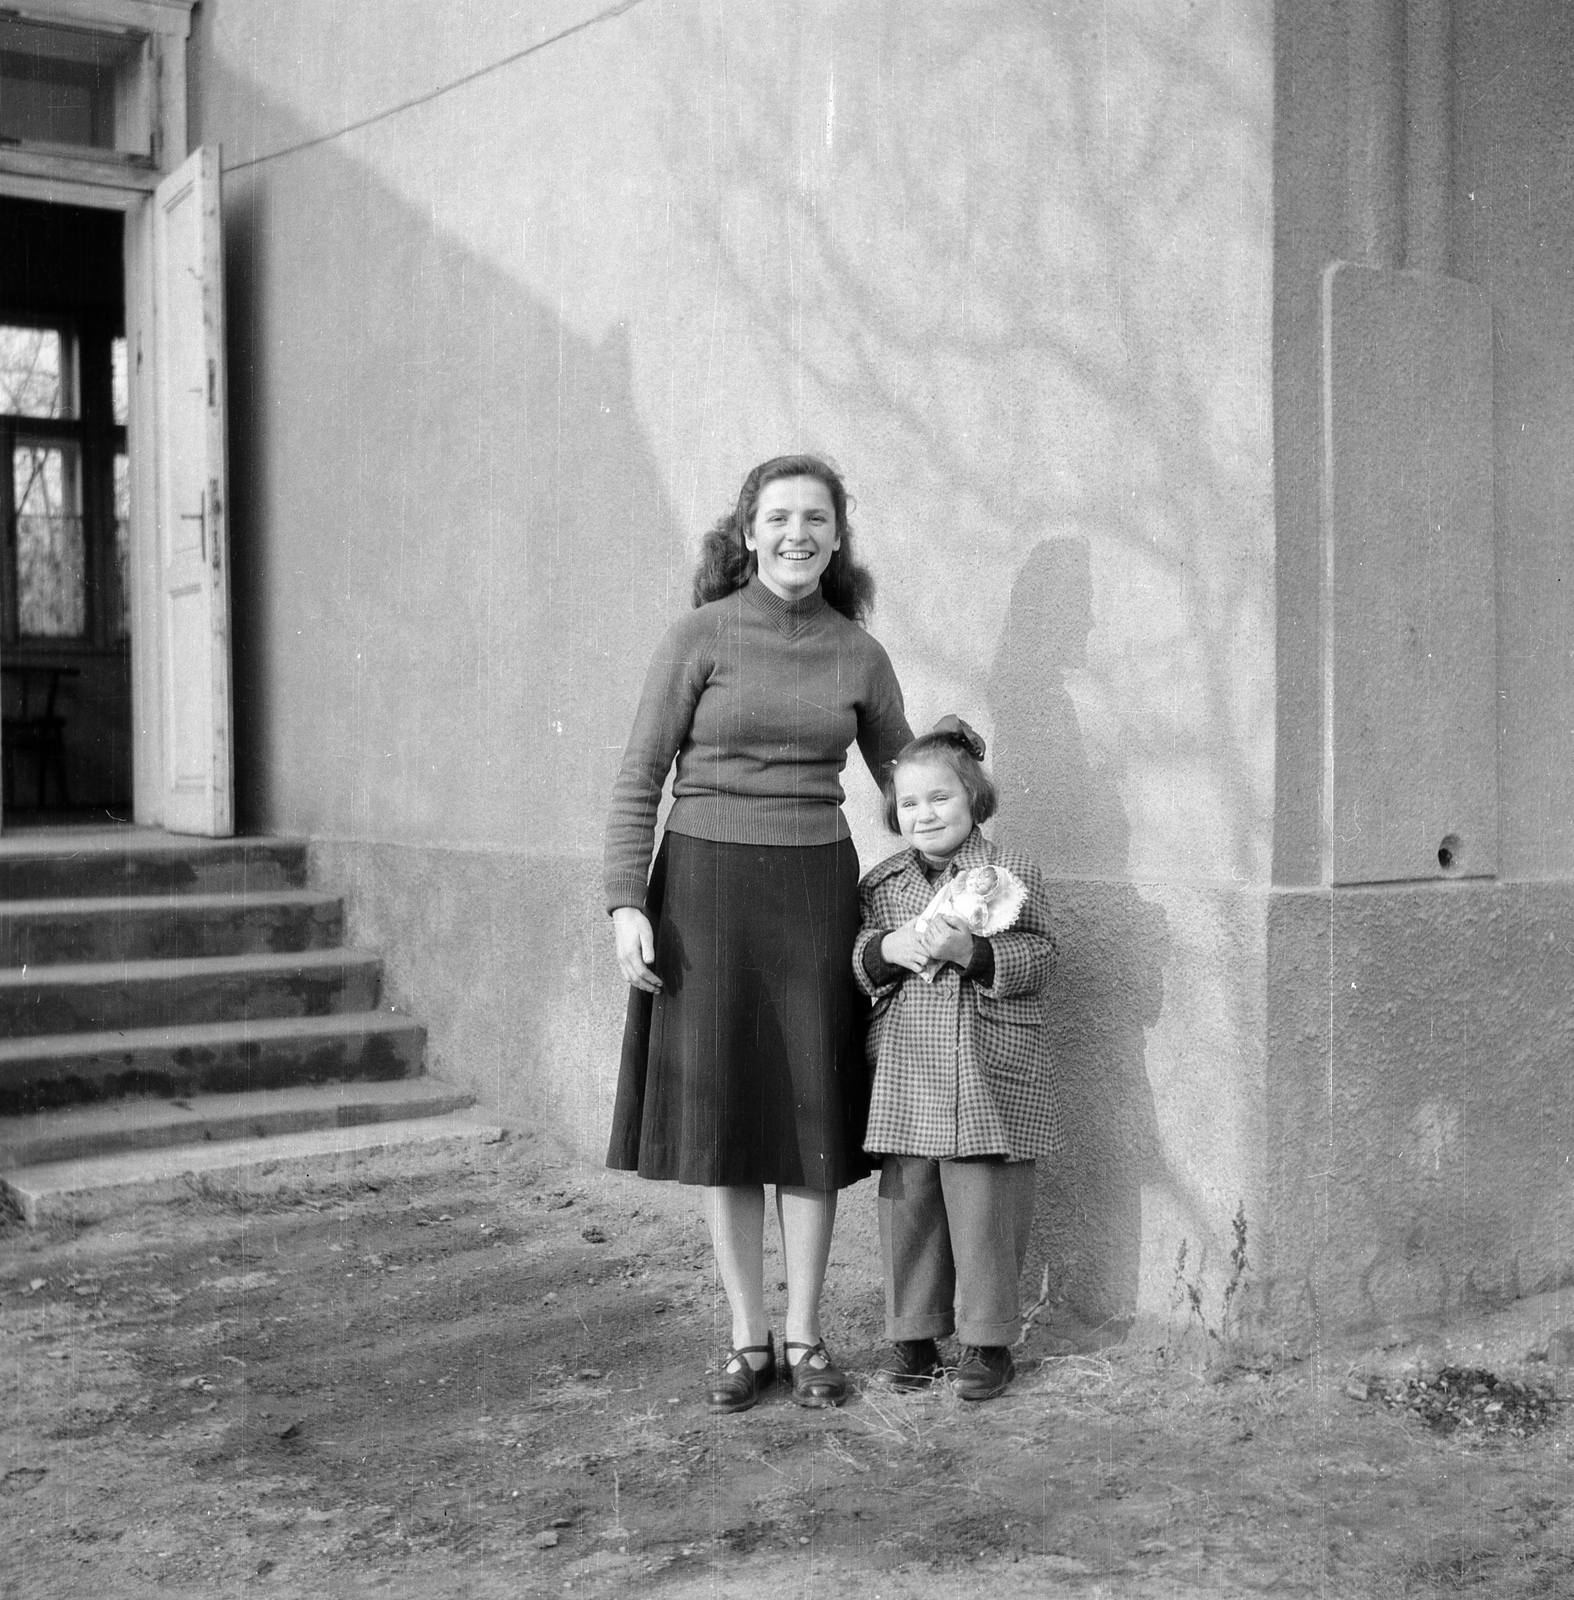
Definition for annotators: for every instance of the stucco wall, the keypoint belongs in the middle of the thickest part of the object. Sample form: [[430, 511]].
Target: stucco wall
[[1513, 230], [1511, 235], [1310, 194], [1418, 1090], [498, 359], [1421, 1108]]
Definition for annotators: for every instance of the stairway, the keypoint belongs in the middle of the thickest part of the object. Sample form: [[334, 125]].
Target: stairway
[[180, 1015]]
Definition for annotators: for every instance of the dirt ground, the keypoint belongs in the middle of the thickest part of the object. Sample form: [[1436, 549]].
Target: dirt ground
[[484, 1384]]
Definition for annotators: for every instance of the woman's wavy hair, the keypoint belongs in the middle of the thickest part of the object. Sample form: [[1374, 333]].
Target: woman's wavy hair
[[963, 753], [726, 562]]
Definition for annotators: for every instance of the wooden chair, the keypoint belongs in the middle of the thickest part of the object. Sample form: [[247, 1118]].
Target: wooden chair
[[31, 723]]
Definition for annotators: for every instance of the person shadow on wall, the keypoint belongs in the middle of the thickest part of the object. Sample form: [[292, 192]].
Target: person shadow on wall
[[1108, 985]]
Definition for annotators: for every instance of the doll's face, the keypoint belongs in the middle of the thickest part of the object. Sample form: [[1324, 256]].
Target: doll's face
[[932, 808]]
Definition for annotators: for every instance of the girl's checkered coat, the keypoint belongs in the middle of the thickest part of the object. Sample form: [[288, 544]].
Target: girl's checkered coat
[[960, 1069]]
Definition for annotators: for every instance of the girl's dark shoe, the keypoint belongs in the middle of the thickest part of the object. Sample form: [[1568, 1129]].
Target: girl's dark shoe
[[985, 1371], [912, 1364], [737, 1386], [815, 1385]]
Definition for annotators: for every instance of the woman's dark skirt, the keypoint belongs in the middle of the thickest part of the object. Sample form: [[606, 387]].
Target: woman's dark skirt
[[748, 1067]]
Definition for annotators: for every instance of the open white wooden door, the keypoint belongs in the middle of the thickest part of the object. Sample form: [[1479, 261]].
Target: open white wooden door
[[191, 500]]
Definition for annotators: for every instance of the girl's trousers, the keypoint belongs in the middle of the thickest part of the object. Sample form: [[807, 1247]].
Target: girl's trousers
[[953, 1237]]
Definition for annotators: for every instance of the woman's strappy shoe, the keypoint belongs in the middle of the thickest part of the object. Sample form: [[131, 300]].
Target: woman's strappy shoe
[[737, 1386], [812, 1385]]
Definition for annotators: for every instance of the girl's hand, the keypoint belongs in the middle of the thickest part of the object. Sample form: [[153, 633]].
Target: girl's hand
[[903, 948], [949, 939], [636, 948]]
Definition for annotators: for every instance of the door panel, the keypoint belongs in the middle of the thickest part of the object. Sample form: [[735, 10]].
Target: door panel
[[192, 498], [188, 730]]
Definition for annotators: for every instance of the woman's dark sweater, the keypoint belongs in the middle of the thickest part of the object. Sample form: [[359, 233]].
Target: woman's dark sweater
[[758, 698]]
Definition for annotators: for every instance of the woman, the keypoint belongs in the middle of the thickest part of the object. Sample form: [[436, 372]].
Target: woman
[[742, 1057]]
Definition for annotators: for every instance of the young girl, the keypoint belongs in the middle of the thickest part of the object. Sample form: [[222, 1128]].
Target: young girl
[[963, 1099]]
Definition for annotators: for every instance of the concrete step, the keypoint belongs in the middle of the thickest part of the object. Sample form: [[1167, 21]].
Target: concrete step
[[207, 1058], [38, 933], [95, 997], [246, 1169], [81, 863], [77, 1133]]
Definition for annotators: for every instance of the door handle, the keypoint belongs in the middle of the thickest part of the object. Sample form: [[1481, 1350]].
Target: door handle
[[200, 515]]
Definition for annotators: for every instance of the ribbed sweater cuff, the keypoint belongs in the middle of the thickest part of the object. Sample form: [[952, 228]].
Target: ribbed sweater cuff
[[981, 969], [880, 971], [624, 889]]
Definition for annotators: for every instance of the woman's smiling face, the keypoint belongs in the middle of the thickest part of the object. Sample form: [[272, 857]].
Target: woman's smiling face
[[932, 807], [793, 536]]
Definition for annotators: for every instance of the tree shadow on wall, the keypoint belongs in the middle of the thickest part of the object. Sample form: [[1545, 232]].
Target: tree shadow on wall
[[1108, 986], [1008, 260], [974, 294]]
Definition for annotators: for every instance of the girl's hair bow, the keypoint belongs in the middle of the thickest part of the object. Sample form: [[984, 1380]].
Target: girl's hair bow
[[952, 727]]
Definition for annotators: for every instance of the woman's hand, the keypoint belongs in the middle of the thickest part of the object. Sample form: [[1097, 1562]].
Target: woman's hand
[[636, 948], [903, 948], [949, 939]]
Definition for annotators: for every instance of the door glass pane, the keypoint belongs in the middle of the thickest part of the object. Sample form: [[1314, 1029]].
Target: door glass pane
[[119, 382], [71, 86], [30, 372], [51, 599], [123, 545]]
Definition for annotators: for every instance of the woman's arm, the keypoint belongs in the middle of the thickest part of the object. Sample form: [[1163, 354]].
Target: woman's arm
[[677, 676], [882, 719]]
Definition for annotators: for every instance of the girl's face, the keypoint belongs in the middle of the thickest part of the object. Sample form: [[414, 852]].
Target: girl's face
[[793, 536], [932, 808]]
